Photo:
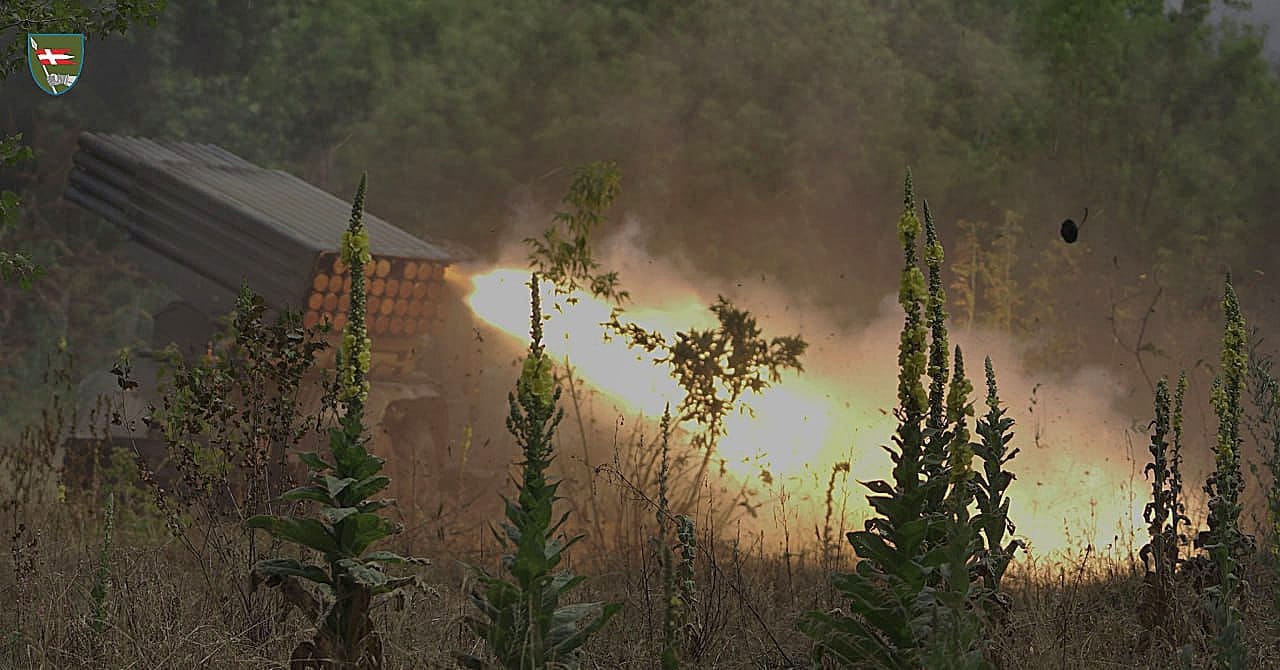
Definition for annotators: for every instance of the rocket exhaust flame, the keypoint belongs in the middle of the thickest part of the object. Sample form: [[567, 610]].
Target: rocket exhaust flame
[[1067, 495]]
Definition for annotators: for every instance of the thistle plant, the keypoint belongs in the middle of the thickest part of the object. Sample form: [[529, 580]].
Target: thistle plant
[[716, 368], [351, 576], [521, 619]]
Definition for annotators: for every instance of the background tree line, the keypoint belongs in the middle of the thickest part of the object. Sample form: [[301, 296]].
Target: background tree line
[[760, 137]]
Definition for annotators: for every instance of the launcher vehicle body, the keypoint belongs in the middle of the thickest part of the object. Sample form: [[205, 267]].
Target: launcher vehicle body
[[205, 222]]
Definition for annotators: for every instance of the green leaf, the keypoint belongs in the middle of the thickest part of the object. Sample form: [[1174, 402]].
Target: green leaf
[[335, 515], [314, 461], [385, 557], [307, 532], [315, 493], [282, 567], [366, 575], [336, 486], [367, 487], [359, 530]]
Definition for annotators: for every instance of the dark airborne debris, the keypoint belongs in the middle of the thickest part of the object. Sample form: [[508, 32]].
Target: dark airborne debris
[[1071, 230]]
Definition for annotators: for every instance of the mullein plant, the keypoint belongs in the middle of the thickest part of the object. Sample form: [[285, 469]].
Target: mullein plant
[[1177, 500], [101, 593], [993, 522], [912, 596], [1160, 554], [521, 620], [350, 578], [937, 436], [679, 591], [1224, 541], [954, 637], [673, 608]]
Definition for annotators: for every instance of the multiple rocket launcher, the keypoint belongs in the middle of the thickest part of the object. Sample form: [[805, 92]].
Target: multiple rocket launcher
[[206, 221]]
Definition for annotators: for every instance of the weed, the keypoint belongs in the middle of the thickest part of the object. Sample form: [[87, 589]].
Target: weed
[[1160, 554], [912, 597], [348, 522], [522, 621], [102, 578], [673, 606], [1224, 541], [994, 429], [563, 257]]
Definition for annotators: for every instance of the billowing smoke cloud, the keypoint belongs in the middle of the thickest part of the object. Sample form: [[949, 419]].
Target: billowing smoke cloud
[[1079, 467]]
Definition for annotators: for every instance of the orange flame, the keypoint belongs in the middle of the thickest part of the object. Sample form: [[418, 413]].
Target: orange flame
[[801, 427]]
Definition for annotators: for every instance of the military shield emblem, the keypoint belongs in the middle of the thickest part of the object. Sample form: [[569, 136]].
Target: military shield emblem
[[55, 60]]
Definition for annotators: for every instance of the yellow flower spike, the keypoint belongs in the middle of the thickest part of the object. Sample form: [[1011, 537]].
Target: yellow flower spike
[[354, 358], [536, 377]]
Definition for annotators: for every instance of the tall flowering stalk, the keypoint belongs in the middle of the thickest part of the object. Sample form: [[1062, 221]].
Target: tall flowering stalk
[[350, 577], [1224, 540], [354, 355], [960, 455], [995, 433], [1177, 501], [521, 618], [912, 346], [911, 596], [937, 438], [1159, 555], [1226, 484]]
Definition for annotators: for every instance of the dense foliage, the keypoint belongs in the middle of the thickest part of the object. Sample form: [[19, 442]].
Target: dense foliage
[[732, 116]]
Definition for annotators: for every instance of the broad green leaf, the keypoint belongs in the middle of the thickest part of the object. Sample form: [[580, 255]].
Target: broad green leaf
[[316, 493], [335, 515], [367, 487], [291, 567], [307, 532], [314, 461], [335, 485], [366, 575]]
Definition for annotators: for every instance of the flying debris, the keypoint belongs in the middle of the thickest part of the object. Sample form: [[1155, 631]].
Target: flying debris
[[1071, 230]]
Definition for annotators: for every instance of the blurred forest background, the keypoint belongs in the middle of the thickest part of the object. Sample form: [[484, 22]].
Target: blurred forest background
[[755, 138]]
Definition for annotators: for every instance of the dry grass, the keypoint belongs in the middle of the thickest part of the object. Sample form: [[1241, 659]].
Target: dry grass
[[164, 613]]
